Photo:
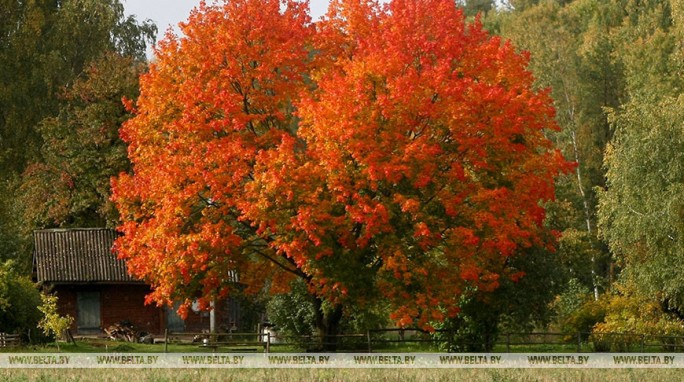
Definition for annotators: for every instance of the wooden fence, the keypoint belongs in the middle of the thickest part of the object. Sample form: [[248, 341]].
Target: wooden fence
[[407, 340], [8, 340]]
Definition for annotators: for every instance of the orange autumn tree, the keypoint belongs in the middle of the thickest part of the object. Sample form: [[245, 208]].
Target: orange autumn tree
[[386, 153]]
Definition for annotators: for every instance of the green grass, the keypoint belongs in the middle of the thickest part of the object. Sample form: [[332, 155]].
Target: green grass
[[107, 346], [541, 348], [334, 375]]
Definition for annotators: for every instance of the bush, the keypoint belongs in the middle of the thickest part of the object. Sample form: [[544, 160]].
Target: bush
[[475, 329], [292, 314], [19, 301], [577, 311], [635, 315]]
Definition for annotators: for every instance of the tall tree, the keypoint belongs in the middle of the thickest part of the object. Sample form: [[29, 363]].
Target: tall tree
[[82, 149], [393, 154], [614, 67], [47, 44], [573, 47], [44, 47], [641, 208]]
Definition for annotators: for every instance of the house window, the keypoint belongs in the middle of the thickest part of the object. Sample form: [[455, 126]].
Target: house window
[[88, 312]]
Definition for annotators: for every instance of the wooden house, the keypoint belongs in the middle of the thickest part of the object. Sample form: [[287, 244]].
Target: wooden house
[[94, 287]]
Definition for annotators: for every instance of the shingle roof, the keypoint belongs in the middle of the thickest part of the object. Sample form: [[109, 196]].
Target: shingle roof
[[78, 255]]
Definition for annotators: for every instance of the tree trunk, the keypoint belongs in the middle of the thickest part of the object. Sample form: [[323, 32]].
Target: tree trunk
[[587, 213], [327, 325]]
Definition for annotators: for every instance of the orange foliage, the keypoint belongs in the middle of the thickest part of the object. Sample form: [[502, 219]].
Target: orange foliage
[[383, 153]]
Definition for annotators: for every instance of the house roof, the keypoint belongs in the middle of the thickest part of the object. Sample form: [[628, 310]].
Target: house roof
[[80, 255]]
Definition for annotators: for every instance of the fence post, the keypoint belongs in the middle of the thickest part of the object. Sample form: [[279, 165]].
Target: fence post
[[166, 340], [268, 342], [579, 342], [508, 342], [643, 339], [370, 347]]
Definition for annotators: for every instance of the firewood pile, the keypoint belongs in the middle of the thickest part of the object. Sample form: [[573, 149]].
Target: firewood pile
[[124, 331]]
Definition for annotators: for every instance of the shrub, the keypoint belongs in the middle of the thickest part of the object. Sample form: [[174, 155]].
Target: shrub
[[635, 315], [577, 311], [292, 313], [19, 301]]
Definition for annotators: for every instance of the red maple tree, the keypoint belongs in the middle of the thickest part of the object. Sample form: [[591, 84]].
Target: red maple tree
[[388, 153]]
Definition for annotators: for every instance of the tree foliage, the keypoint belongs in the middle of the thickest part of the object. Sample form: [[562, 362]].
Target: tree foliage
[[397, 169], [386, 153], [517, 305], [641, 212], [45, 45], [19, 301], [292, 313], [586, 51], [641, 208], [629, 311], [82, 150]]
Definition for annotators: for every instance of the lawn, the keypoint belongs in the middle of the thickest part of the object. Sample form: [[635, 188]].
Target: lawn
[[107, 346]]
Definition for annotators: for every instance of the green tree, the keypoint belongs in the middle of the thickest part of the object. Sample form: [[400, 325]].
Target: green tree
[[292, 313], [614, 70], [572, 46], [642, 209], [44, 47], [81, 149]]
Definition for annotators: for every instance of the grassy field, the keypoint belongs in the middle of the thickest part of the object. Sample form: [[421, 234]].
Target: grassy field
[[292, 375]]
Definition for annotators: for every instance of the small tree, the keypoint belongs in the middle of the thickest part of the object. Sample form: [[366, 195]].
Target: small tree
[[52, 323]]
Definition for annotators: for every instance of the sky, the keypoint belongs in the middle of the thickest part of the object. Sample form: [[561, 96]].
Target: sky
[[168, 13]]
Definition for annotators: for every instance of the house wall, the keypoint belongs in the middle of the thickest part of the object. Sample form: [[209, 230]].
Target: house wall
[[117, 303], [66, 303], [127, 303]]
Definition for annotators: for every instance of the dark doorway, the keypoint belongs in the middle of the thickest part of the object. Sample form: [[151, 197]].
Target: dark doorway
[[88, 309]]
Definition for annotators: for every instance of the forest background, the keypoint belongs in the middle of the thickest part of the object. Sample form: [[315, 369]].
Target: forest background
[[613, 69]]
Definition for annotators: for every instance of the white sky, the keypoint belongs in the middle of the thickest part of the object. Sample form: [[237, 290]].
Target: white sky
[[168, 13], [171, 12]]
